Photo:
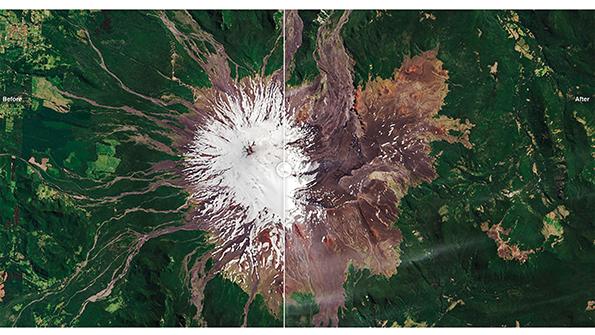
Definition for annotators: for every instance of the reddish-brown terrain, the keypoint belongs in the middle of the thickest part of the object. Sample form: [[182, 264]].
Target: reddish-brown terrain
[[372, 144]]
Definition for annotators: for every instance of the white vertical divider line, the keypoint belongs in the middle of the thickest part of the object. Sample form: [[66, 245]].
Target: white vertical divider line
[[284, 224]]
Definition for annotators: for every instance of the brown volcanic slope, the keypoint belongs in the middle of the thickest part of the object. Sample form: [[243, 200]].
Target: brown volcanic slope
[[369, 144], [372, 144]]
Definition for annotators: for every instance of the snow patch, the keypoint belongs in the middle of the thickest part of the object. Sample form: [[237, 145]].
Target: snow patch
[[234, 158]]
